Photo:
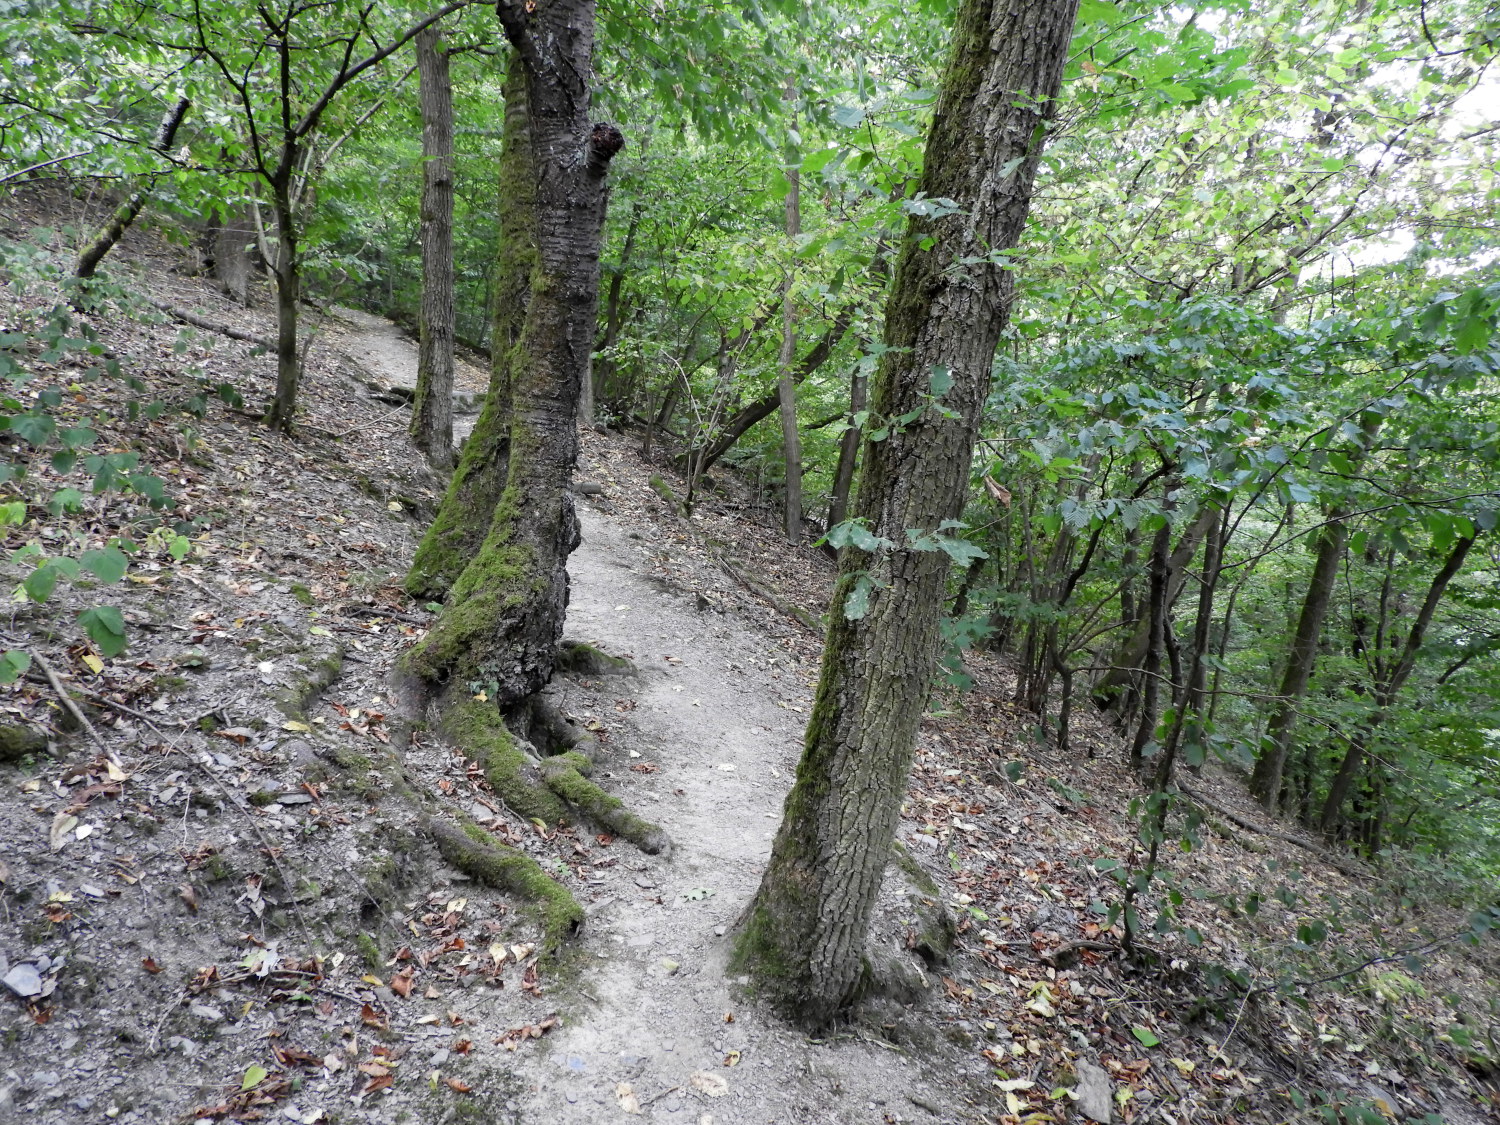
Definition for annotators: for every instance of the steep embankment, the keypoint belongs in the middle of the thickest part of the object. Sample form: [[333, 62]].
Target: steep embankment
[[218, 905]]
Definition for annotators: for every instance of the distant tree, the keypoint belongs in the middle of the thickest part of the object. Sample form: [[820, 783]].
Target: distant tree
[[802, 938], [432, 409]]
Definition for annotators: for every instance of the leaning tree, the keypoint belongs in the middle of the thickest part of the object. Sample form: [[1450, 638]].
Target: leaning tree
[[802, 938]]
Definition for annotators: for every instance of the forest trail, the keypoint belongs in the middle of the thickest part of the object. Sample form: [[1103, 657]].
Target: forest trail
[[716, 716]]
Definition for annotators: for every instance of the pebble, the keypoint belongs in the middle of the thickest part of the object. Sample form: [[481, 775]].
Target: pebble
[[24, 980], [673, 1103], [207, 1012], [294, 799], [440, 1056]]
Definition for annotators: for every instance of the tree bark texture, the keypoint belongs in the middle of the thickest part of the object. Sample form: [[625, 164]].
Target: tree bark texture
[[463, 518], [505, 613], [288, 273], [127, 212], [432, 408], [802, 937]]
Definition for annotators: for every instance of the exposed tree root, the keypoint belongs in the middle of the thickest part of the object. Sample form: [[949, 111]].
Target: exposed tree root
[[545, 784], [566, 774], [476, 854]]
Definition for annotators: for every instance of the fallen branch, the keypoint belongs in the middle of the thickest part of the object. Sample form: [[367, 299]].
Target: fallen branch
[[73, 708], [211, 325], [764, 592], [1250, 826]]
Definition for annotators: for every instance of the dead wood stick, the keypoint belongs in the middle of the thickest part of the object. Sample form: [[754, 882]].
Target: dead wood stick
[[1250, 826], [73, 708], [211, 326]]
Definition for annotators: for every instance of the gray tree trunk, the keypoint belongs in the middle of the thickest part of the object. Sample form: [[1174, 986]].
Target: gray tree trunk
[[432, 408], [505, 613], [802, 938]]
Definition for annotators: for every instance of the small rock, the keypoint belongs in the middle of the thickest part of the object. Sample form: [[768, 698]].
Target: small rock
[[294, 799], [440, 1056], [24, 981], [1094, 1094], [673, 1104], [207, 1012], [719, 931]]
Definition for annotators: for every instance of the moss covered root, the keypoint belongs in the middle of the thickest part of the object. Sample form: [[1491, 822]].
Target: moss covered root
[[477, 855], [585, 660], [481, 732], [567, 775]]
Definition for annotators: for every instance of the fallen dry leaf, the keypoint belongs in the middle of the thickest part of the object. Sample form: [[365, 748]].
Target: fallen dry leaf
[[710, 1084], [627, 1099]]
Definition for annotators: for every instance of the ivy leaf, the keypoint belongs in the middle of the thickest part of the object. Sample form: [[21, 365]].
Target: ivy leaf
[[13, 665]]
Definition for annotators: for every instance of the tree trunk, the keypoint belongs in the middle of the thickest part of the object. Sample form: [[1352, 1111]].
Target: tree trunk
[[463, 518], [1113, 686], [1386, 692], [432, 408], [233, 232], [604, 372], [786, 389], [802, 938], [843, 475], [288, 273], [127, 212], [505, 613], [1270, 767]]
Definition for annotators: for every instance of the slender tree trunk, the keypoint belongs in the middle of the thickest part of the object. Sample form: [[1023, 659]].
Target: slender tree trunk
[[1113, 686], [288, 272], [1158, 605], [127, 212], [802, 938], [463, 518], [505, 613], [791, 439], [432, 409], [604, 371], [1394, 680], [843, 474], [1266, 781]]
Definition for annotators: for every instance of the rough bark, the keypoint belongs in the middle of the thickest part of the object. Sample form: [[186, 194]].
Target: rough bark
[[802, 938], [233, 234], [288, 274], [127, 212], [505, 613], [468, 507], [432, 408]]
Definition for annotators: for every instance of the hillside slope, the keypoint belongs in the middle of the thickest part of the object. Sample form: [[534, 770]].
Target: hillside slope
[[217, 902]]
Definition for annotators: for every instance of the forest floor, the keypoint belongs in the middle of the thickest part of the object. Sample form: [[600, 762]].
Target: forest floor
[[216, 904]]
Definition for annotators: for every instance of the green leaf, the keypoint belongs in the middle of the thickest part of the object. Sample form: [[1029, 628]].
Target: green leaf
[[857, 604], [849, 116], [105, 626], [254, 1076], [1146, 1036], [13, 665], [13, 513], [108, 565]]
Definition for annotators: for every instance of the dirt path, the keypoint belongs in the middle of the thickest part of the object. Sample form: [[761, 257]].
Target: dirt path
[[716, 716], [720, 714]]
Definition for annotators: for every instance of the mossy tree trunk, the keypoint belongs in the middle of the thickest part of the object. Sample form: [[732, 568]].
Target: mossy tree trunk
[[802, 938], [127, 212], [468, 508], [504, 617], [432, 408]]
